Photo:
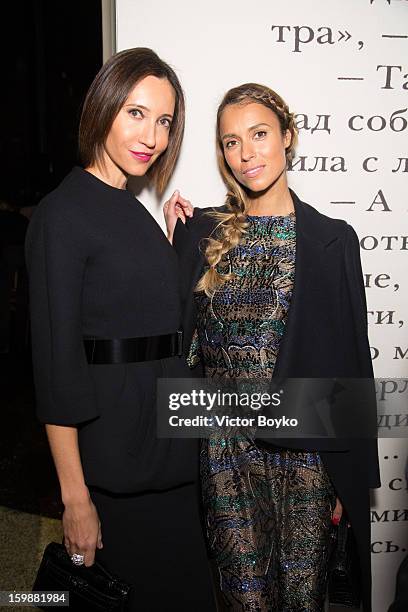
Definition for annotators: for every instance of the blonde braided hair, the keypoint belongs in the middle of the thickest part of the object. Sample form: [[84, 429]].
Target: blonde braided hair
[[232, 224]]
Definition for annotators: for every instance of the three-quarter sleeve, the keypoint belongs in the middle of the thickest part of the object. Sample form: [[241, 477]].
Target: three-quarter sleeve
[[56, 256]]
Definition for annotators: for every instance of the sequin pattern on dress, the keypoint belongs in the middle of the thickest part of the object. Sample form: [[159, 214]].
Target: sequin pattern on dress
[[239, 329], [267, 513]]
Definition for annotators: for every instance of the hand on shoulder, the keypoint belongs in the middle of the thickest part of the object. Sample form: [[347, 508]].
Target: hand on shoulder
[[176, 208]]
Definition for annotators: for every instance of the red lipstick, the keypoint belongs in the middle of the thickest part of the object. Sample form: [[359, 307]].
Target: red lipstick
[[141, 155]]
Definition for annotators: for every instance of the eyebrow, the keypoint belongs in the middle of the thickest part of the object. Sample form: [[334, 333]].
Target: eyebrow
[[147, 109], [253, 127]]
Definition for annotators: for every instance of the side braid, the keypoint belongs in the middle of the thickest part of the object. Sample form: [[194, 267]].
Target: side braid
[[233, 223]]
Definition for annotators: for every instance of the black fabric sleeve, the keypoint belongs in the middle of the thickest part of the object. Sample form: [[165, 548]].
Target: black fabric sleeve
[[368, 448], [56, 261], [354, 277], [181, 237], [187, 236], [186, 243]]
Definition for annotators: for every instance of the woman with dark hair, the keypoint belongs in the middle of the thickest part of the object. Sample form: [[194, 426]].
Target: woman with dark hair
[[105, 316], [274, 288]]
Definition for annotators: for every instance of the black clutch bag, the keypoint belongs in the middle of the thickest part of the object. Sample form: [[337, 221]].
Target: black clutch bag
[[344, 569], [90, 588]]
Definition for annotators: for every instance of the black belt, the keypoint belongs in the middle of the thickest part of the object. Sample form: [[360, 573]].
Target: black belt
[[126, 350]]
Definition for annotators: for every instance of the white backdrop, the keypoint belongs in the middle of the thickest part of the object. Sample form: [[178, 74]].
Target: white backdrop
[[342, 67]]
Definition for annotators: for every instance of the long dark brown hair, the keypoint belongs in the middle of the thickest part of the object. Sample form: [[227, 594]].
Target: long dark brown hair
[[107, 95]]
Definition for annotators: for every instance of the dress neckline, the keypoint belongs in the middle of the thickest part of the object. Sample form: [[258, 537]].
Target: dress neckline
[[128, 198], [99, 183], [288, 216]]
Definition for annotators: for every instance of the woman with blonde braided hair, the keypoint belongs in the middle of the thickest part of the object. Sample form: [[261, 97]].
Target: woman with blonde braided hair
[[273, 288]]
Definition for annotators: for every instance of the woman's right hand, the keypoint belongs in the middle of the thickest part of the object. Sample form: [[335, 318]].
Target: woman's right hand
[[82, 529]]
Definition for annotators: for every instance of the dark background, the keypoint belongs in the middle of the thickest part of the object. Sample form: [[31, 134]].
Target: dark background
[[51, 52]]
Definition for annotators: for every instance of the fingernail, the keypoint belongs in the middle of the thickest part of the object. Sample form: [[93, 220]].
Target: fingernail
[[335, 520]]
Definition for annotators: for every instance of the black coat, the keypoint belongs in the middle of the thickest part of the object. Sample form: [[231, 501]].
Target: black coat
[[99, 265], [325, 336]]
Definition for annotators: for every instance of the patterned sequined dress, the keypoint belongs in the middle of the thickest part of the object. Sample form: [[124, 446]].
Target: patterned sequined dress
[[267, 514]]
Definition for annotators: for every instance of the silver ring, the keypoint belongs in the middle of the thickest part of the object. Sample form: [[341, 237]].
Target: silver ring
[[77, 559]]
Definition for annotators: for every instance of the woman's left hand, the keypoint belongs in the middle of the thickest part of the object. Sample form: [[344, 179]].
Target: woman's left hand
[[175, 208], [337, 512]]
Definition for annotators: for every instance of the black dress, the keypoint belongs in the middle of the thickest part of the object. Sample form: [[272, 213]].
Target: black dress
[[99, 265]]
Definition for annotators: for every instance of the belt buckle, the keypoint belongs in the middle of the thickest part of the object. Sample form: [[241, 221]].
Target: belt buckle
[[89, 345]]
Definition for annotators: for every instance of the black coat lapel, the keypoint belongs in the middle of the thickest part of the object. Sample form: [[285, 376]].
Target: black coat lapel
[[188, 243], [313, 236]]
